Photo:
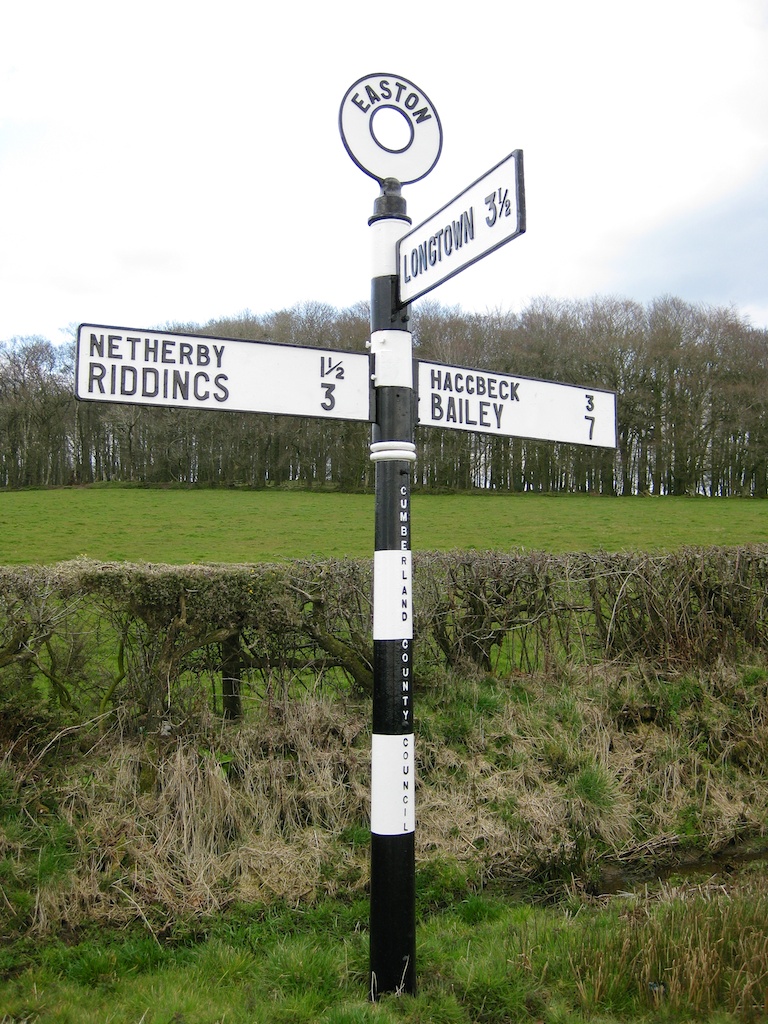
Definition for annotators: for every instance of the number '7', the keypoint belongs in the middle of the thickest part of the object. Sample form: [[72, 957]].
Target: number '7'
[[590, 419]]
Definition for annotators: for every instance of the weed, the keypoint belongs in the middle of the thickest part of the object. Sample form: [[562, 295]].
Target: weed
[[224, 965], [440, 883], [754, 675], [243, 890], [594, 789], [477, 908]]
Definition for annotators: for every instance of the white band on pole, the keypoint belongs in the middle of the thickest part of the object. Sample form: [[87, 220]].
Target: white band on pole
[[393, 451], [393, 785], [392, 361], [392, 595], [385, 234]]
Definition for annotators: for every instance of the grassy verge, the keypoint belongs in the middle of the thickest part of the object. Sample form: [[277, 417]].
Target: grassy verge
[[182, 526], [682, 953], [221, 874]]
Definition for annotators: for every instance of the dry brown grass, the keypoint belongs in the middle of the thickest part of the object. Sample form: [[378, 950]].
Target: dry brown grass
[[176, 827], [679, 950], [547, 779]]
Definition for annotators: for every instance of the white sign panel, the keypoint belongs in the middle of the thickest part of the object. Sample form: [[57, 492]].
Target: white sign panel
[[495, 403], [480, 219], [120, 364]]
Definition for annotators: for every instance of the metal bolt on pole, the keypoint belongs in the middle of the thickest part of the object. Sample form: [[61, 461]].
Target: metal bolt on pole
[[393, 885]]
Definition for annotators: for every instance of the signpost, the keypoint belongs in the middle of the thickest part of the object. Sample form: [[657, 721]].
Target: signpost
[[392, 131], [406, 265]]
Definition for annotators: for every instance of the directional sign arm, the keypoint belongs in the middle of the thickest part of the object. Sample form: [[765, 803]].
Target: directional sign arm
[[462, 398], [139, 367], [478, 221]]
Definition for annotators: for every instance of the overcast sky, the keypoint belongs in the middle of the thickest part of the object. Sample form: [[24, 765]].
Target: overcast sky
[[173, 162]]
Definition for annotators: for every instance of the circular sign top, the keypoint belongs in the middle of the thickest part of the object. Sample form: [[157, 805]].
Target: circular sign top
[[390, 128]]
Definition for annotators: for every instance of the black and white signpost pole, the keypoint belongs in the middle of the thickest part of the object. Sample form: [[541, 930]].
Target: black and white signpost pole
[[393, 133], [393, 896]]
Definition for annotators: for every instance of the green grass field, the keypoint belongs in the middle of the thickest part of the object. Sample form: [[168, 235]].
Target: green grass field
[[180, 526]]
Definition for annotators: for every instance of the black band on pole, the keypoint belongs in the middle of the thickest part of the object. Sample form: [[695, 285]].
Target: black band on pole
[[393, 889]]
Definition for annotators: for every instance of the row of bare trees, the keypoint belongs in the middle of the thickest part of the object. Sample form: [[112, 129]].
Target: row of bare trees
[[692, 386]]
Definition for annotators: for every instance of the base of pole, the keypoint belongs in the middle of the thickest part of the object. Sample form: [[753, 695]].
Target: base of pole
[[393, 915]]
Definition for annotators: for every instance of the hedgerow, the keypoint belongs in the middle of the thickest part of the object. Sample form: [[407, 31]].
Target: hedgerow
[[157, 640]]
